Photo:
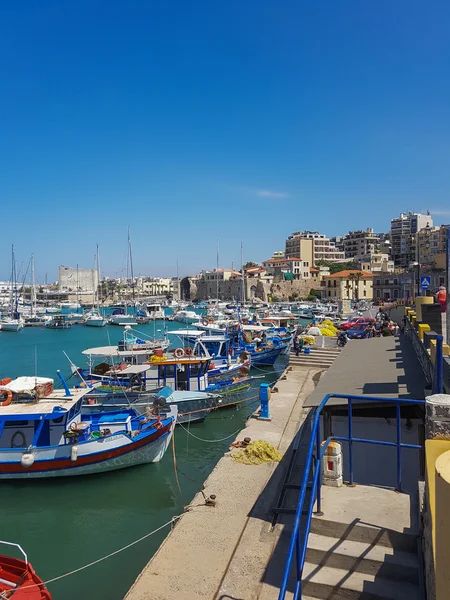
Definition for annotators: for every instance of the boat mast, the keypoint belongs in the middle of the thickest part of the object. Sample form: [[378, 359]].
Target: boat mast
[[14, 307], [130, 260], [33, 289], [243, 275], [217, 273], [98, 280]]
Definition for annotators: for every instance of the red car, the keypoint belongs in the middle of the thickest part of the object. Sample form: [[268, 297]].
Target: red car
[[356, 321]]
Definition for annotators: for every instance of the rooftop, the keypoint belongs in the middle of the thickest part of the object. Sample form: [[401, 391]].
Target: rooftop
[[346, 274]]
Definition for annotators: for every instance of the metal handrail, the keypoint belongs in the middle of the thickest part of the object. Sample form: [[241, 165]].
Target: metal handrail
[[298, 543]]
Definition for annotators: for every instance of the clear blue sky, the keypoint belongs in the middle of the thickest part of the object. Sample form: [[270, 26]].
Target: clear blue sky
[[194, 120]]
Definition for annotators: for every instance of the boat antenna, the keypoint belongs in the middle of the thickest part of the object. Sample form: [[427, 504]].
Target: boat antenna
[[243, 274], [130, 258]]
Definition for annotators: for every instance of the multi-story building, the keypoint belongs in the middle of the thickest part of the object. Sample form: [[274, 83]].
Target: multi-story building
[[404, 237], [312, 247], [158, 286], [77, 280], [362, 243], [376, 263], [348, 285], [277, 267], [432, 243]]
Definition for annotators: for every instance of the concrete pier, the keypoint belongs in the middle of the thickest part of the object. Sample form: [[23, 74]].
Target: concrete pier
[[222, 551], [231, 551]]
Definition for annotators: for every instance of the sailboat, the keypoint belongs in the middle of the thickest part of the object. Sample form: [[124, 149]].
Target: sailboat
[[13, 322], [33, 320], [94, 318], [120, 315]]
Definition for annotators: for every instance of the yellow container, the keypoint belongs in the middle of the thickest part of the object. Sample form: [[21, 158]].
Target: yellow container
[[422, 327], [420, 301]]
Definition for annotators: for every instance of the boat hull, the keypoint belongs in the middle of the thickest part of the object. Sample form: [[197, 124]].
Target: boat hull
[[95, 322], [13, 327], [266, 358], [149, 449]]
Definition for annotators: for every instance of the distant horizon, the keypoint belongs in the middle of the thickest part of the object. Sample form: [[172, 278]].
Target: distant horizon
[[191, 122]]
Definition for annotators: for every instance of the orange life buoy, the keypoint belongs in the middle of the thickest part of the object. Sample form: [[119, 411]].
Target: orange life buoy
[[178, 353], [205, 322], [188, 351], [8, 394], [5, 381]]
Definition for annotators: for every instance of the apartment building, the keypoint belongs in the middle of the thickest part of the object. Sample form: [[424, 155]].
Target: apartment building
[[361, 243], [432, 245], [348, 285], [312, 247], [404, 237]]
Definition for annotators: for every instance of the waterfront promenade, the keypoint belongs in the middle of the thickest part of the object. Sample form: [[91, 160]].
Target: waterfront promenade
[[231, 551]]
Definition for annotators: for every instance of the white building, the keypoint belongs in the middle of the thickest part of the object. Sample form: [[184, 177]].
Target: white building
[[159, 286], [73, 280], [404, 237]]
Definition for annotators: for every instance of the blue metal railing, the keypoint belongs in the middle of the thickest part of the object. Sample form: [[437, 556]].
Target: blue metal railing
[[299, 538]]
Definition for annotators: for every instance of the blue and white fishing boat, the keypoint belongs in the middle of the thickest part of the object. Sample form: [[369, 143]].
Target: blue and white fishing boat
[[58, 322], [192, 407], [44, 433]]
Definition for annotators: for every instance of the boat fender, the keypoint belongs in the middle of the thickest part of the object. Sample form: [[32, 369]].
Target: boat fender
[[7, 394], [178, 353], [74, 453], [27, 460]]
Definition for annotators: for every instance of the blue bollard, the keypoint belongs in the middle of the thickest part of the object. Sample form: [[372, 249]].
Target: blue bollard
[[264, 397]]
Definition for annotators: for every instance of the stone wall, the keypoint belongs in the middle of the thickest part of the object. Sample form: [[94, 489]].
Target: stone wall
[[285, 289]]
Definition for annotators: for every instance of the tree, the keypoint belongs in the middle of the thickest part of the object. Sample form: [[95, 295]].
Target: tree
[[355, 278], [249, 265], [336, 267]]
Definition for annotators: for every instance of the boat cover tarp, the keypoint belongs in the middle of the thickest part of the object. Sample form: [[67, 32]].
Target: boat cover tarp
[[26, 385]]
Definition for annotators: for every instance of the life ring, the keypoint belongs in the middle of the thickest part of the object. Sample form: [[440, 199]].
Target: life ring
[[22, 443], [205, 322], [188, 351], [178, 353], [8, 395]]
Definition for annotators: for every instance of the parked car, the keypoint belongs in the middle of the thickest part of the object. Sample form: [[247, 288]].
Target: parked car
[[358, 331], [356, 321]]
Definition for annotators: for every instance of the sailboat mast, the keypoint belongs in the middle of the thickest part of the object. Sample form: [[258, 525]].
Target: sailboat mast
[[217, 272], [130, 258], [243, 274], [98, 280], [33, 289]]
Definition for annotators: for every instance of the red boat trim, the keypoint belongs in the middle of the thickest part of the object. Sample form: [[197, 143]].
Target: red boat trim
[[67, 463]]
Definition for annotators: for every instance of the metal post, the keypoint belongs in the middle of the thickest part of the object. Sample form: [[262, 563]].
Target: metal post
[[264, 396], [63, 381], [319, 478], [399, 448], [438, 366], [350, 441]]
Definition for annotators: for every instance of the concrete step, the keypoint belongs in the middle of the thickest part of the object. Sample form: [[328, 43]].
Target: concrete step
[[310, 360], [328, 583], [365, 534], [362, 557]]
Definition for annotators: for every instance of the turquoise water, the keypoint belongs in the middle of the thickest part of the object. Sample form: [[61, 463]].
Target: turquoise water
[[68, 522]]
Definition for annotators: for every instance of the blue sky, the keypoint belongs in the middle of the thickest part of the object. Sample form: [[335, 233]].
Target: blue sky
[[197, 120]]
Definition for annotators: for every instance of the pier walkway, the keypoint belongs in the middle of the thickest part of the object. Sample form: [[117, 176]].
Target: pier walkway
[[234, 551]]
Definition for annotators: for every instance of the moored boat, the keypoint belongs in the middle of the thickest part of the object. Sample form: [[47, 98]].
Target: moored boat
[[18, 579], [44, 433]]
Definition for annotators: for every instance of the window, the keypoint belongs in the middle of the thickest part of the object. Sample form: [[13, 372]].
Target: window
[[395, 282], [364, 293], [378, 293], [334, 283], [386, 282], [306, 263], [395, 293], [378, 282], [329, 292]]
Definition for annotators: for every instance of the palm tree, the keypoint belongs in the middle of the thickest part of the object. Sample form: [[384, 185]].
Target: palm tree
[[355, 278]]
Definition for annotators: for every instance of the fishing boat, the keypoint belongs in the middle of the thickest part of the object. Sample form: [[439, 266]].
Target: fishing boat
[[192, 407], [44, 432], [155, 311], [18, 579], [58, 322]]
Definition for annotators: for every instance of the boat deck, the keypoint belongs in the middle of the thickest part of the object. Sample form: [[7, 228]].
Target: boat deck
[[45, 405]]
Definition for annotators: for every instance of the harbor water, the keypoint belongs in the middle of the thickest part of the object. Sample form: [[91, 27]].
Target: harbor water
[[69, 522]]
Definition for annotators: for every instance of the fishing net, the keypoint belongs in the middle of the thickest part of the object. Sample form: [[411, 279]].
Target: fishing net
[[256, 453]]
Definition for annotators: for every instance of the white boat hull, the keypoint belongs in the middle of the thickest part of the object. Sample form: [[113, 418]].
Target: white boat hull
[[11, 326], [95, 322]]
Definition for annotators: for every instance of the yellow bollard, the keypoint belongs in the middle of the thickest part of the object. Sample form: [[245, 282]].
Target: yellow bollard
[[422, 327], [420, 301]]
